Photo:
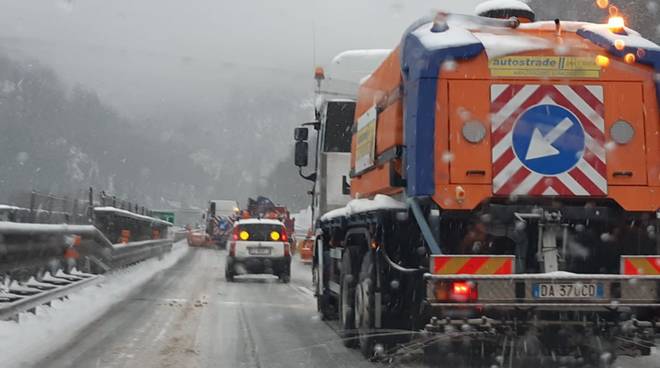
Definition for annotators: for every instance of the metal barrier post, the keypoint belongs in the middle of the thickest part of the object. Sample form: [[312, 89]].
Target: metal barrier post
[[32, 199]]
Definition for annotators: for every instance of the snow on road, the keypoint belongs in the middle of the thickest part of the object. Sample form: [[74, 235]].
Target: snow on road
[[51, 327]]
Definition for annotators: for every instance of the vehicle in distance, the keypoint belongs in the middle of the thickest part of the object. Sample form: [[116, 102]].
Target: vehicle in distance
[[305, 247], [264, 207], [197, 238], [220, 216], [259, 246]]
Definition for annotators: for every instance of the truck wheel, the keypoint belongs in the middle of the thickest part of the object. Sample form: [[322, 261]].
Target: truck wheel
[[347, 281], [285, 277], [322, 305], [365, 306], [229, 275]]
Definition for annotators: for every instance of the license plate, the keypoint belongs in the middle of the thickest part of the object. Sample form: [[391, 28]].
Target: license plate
[[568, 291], [259, 251]]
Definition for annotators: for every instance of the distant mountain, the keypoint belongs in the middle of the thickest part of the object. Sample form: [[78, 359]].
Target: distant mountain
[[59, 141], [63, 141]]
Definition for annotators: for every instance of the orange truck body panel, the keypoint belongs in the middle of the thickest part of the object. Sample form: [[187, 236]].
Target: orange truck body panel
[[464, 92]]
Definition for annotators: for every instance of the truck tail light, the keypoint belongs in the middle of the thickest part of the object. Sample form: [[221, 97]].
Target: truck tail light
[[456, 291], [232, 248], [284, 236], [234, 234], [463, 291]]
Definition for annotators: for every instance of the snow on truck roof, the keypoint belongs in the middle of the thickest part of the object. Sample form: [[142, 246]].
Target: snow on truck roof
[[346, 71], [379, 202], [499, 40], [491, 5]]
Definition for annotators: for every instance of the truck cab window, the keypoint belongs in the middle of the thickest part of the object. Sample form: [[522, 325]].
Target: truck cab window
[[339, 120]]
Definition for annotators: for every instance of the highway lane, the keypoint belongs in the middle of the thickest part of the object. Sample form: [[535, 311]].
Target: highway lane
[[189, 316]]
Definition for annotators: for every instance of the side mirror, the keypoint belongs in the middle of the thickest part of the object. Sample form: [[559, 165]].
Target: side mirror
[[300, 134], [301, 154]]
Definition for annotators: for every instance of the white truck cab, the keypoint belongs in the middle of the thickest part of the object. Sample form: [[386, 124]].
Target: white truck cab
[[336, 95]]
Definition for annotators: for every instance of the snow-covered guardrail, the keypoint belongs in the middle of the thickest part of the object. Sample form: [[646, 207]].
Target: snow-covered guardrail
[[34, 249]]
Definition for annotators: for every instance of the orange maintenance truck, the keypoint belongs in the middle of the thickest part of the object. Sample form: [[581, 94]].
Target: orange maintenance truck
[[505, 176]]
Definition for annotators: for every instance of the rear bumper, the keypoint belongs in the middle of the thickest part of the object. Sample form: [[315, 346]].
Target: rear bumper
[[505, 293], [259, 265]]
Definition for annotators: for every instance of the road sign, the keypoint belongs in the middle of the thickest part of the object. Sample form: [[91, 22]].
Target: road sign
[[548, 140]]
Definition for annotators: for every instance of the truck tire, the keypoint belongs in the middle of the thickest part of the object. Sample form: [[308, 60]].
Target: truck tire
[[347, 281], [285, 277], [365, 306], [229, 275], [322, 303]]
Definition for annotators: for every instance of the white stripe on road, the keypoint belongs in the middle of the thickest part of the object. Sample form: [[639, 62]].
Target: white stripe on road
[[306, 290]]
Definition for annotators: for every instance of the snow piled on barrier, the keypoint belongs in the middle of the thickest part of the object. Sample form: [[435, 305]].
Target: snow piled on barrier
[[23, 344]]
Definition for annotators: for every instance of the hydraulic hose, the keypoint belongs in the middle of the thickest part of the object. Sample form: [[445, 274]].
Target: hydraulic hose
[[424, 226]]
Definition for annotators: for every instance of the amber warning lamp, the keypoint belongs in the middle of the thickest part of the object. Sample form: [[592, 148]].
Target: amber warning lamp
[[616, 24], [319, 74]]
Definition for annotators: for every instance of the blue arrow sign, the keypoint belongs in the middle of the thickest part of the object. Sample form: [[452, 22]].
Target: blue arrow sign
[[548, 139]]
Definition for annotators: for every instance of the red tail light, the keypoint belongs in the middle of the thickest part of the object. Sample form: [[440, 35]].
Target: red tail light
[[463, 291], [456, 291], [234, 233], [285, 238], [232, 248]]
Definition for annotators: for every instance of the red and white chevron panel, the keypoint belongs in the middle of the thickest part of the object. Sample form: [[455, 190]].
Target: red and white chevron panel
[[511, 176]]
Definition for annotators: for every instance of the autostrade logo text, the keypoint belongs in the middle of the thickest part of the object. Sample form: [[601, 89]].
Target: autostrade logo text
[[544, 66]]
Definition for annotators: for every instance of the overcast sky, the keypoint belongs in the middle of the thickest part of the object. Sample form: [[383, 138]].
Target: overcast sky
[[145, 55]]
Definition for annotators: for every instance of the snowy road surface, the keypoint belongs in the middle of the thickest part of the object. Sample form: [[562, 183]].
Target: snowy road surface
[[188, 316]]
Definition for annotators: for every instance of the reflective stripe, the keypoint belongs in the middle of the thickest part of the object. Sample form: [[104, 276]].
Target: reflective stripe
[[472, 265], [335, 253], [334, 287], [640, 265]]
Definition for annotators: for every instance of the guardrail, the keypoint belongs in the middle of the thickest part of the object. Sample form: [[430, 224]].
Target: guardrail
[[16, 299], [57, 244], [180, 235], [28, 250]]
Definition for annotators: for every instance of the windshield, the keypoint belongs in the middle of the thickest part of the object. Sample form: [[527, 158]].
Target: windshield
[[339, 122], [345, 183]]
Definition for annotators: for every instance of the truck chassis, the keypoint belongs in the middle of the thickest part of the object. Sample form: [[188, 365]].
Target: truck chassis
[[378, 283]]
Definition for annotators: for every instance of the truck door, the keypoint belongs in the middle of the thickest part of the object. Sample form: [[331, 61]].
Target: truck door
[[469, 127]]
